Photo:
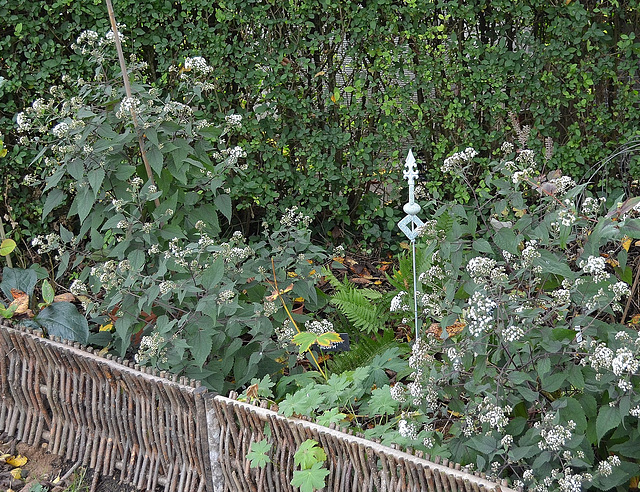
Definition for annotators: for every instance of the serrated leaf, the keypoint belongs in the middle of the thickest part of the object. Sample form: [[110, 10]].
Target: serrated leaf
[[213, 274], [311, 479], [309, 454], [62, 319], [54, 198], [223, 202], [258, 454], [201, 344], [326, 339], [332, 416], [155, 158], [608, 418]]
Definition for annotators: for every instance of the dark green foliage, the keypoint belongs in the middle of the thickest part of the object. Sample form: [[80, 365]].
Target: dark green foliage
[[364, 351], [333, 93]]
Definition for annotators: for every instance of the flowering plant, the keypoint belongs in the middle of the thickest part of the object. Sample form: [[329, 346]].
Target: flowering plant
[[528, 366], [154, 256]]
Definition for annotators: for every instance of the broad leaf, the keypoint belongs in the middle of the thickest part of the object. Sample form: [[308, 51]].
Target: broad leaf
[[62, 319], [7, 246], [19, 279], [608, 418]]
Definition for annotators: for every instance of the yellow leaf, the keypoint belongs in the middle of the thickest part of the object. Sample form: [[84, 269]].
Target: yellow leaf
[[326, 339], [333, 98], [3, 152], [626, 243], [16, 473], [292, 274], [103, 351], [56, 480], [16, 460], [107, 327]]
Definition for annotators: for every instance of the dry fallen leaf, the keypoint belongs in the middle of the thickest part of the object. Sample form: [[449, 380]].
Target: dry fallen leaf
[[66, 297], [21, 300], [436, 330], [16, 460], [252, 391], [16, 473]]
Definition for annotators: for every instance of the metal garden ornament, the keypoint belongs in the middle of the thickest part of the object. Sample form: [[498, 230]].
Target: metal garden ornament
[[410, 225]]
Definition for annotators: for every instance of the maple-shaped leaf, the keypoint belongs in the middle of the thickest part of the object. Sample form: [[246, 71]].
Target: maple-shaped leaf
[[258, 454], [311, 479], [308, 454], [306, 339]]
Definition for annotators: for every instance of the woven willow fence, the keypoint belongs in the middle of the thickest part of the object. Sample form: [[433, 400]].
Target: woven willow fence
[[160, 433]]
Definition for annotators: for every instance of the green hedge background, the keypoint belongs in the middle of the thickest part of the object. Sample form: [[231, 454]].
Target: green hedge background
[[334, 92]]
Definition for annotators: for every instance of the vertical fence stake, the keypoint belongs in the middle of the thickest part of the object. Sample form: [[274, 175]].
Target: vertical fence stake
[[412, 209]]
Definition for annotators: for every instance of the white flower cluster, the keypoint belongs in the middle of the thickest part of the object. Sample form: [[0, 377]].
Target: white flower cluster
[[166, 287], [106, 274], [479, 315], [591, 206], [554, 436], [512, 333], [566, 217], [595, 266], [494, 415], [457, 160], [562, 184], [620, 290], [408, 429], [506, 147], [233, 120], [530, 253], [61, 130], [624, 361], [47, 243], [399, 393], [605, 468], [561, 296], [455, 357], [226, 296], [78, 288], [480, 268], [284, 333], [150, 347], [319, 327], [128, 105], [294, 219], [197, 64]]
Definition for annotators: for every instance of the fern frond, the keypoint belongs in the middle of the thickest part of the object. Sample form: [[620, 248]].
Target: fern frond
[[362, 352], [357, 306]]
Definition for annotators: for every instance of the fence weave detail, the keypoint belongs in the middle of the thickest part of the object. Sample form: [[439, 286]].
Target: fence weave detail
[[158, 433], [355, 464], [142, 429]]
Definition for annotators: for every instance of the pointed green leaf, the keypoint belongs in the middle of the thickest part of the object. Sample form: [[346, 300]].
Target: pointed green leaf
[[608, 418], [223, 202], [54, 198], [47, 292]]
